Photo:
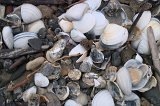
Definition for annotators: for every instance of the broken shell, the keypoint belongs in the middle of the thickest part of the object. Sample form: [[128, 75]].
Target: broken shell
[[35, 63], [56, 51], [93, 4], [74, 74], [71, 102], [85, 24], [103, 98], [62, 92], [27, 94], [40, 80], [132, 99], [8, 36], [74, 88], [77, 36], [35, 26], [86, 65], [82, 99], [30, 13], [113, 37], [66, 25], [21, 40], [76, 12], [124, 82], [79, 49]]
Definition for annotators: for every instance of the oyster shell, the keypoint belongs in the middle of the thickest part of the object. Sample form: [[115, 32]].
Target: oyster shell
[[40, 80], [35, 26], [74, 74], [62, 92], [66, 26], [77, 36]]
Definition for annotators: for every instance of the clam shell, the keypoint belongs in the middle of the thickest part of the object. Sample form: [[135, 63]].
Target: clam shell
[[86, 23], [27, 94], [76, 12], [77, 36], [8, 36], [103, 98], [93, 4], [66, 26], [21, 40], [77, 50], [30, 13], [124, 82], [35, 26], [71, 102], [40, 80]]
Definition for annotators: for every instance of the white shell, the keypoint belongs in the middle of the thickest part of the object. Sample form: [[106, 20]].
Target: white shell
[[93, 4], [21, 40], [124, 82], [8, 36], [101, 23], [86, 23], [71, 102], [77, 50], [76, 12], [27, 94], [66, 25], [144, 19], [36, 26], [30, 13], [77, 36], [143, 47], [40, 80], [103, 98], [139, 58]]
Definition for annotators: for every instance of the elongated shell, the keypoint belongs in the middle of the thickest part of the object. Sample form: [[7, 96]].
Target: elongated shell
[[93, 4], [103, 98], [77, 36], [36, 26], [30, 13]]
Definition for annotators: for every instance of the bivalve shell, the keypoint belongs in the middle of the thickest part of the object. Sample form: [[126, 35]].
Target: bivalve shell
[[66, 26], [79, 49], [71, 102], [77, 36], [62, 92], [40, 80], [35, 26], [93, 4], [74, 74]]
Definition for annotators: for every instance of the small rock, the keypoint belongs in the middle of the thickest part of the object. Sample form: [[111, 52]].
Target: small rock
[[35, 43], [40, 80]]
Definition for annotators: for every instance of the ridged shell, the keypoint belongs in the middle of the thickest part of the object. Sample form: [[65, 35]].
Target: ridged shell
[[35, 26], [66, 25], [8, 36], [103, 98], [40, 80], [79, 49], [77, 36], [93, 4], [30, 13]]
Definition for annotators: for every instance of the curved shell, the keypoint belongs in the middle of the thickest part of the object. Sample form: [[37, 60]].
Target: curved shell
[[66, 25], [35, 26], [93, 4], [103, 98], [77, 50], [86, 23], [40, 80], [76, 12], [30, 13], [8, 36], [77, 36], [21, 40]]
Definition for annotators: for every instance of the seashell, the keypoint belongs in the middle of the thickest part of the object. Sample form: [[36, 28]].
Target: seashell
[[111, 73], [15, 19], [8, 36], [101, 23], [129, 11], [34, 100], [21, 40], [30, 13], [1, 41], [113, 37], [132, 99], [103, 98], [77, 36], [56, 51], [62, 92], [86, 65], [35, 26], [74, 88], [79, 49], [100, 82], [82, 99], [93, 4], [31, 65], [71, 102], [76, 12], [74, 74], [40, 80], [116, 59], [82, 57], [139, 58], [144, 19], [132, 63], [124, 82], [66, 25], [86, 23], [2, 11], [155, 11], [27, 94]]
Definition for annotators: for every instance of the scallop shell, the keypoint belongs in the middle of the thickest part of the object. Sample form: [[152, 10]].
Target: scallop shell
[[86, 23], [124, 82], [71, 102], [40, 80], [21, 40], [30, 13], [8, 36], [103, 98], [66, 26], [35, 26], [93, 4], [77, 36], [77, 50], [76, 12]]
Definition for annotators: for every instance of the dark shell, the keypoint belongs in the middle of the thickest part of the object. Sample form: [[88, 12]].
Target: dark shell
[[96, 55]]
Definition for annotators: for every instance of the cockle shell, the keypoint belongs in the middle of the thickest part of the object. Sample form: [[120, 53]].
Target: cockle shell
[[66, 26], [21, 40], [76, 12], [103, 98], [30, 13], [124, 82], [8, 36], [113, 36], [71, 102], [86, 23], [27, 94], [77, 36], [93, 4], [40, 80], [35, 26], [79, 49]]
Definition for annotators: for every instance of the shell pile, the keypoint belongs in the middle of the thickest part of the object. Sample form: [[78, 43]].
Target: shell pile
[[82, 56]]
